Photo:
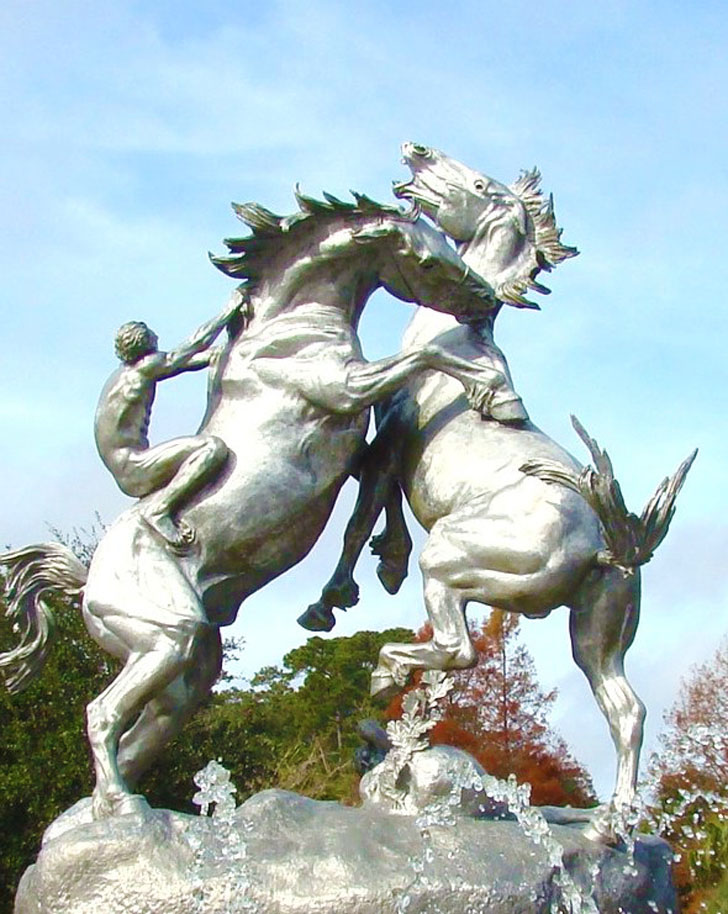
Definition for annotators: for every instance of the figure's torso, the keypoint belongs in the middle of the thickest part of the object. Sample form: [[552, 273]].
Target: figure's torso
[[122, 415]]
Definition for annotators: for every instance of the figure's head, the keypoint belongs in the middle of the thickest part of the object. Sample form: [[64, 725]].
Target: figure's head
[[507, 233], [133, 341]]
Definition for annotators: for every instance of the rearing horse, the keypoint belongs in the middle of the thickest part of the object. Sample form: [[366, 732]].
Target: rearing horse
[[290, 398], [514, 521]]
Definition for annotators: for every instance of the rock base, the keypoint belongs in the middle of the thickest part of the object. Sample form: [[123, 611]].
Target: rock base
[[286, 854]]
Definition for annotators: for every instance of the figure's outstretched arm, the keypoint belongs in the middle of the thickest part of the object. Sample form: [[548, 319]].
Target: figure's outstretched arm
[[191, 355]]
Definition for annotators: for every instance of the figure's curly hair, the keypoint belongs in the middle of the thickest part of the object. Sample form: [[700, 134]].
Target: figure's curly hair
[[133, 340]]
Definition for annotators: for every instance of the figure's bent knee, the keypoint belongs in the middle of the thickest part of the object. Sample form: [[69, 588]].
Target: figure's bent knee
[[214, 449]]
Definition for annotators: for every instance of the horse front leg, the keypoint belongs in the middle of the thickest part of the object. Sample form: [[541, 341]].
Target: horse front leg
[[394, 544], [488, 390], [377, 478], [348, 387]]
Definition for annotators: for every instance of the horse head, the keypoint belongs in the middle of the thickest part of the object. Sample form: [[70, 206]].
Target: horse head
[[508, 233]]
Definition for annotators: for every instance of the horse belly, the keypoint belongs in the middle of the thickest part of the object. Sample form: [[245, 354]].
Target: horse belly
[[276, 494], [458, 458]]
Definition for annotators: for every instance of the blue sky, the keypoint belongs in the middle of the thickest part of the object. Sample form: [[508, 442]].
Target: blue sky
[[129, 127]]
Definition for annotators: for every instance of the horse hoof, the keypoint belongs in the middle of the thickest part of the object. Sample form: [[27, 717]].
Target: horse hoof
[[383, 685], [105, 806], [317, 618], [601, 828], [509, 411], [132, 804], [341, 595], [391, 575]]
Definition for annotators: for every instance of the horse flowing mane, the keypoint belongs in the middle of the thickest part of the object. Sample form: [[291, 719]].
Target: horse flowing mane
[[548, 251], [250, 256]]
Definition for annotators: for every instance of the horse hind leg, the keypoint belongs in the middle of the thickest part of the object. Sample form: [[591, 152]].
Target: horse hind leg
[[164, 716], [603, 624], [450, 647], [155, 656]]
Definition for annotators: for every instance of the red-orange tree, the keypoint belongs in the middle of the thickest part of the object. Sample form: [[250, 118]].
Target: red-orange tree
[[498, 713], [694, 746]]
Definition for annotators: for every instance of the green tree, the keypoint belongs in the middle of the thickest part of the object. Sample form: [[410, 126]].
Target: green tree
[[295, 727], [44, 760], [689, 777], [322, 693]]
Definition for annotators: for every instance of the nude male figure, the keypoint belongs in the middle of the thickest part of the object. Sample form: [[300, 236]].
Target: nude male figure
[[176, 469]]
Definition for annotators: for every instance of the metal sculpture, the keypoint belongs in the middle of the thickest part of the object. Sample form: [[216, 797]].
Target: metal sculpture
[[289, 395], [514, 521]]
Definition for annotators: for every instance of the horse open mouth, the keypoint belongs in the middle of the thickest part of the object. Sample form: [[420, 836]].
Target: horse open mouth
[[419, 191]]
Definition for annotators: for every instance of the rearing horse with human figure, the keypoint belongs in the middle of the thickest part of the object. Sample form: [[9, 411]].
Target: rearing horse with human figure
[[289, 397], [514, 521]]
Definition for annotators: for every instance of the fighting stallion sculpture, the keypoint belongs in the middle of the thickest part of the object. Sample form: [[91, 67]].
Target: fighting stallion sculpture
[[289, 397], [513, 520]]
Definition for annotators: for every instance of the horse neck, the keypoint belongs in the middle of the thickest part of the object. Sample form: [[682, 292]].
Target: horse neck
[[331, 288], [498, 256], [426, 324], [500, 253]]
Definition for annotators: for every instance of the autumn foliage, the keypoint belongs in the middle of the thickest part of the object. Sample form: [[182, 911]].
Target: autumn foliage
[[498, 713], [690, 783]]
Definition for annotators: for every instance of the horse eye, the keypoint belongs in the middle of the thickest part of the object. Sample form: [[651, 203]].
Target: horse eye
[[420, 150], [479, 186]]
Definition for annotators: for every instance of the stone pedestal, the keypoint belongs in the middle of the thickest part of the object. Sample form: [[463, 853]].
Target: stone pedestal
[[286, 854]]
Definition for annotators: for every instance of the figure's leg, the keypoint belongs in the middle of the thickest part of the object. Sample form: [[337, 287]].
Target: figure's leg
[[603, 623], [171, 473], [165, 715]]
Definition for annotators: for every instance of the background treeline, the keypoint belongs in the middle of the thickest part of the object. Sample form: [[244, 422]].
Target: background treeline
[[295, 726], [688, 780]]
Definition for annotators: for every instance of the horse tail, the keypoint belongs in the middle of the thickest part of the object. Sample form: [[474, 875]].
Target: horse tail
[[630, 540], [34, 574]]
